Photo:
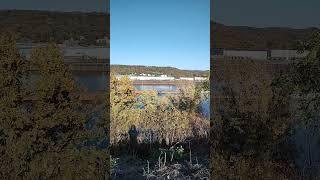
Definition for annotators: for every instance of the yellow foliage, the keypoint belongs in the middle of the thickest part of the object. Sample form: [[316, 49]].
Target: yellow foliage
[[156, 117]]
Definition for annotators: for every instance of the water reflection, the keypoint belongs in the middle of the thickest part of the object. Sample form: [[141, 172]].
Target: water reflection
[[205, 108], [158, 88], [91, 82]]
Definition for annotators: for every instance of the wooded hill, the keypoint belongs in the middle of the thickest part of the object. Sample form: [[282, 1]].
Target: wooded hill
[[251, 38], [42, 26], [170, 71]]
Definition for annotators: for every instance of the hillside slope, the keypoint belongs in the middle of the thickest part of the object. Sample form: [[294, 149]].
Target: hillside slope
[[251, 38], [41, 26], [170, 71]]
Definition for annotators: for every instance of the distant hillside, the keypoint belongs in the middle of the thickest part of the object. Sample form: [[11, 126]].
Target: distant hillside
[[126, 70], [242, 37], [40, 26]]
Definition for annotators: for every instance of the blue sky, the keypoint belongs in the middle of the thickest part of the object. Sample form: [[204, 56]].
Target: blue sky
[[172, 33], [266, 13], [56, 5]]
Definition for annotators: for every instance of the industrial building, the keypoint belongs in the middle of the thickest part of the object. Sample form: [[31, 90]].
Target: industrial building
[[273, 54]]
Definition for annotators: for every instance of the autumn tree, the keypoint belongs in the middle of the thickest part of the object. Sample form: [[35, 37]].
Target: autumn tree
[[123, 113], [56, 139], [189, 97], [14, 120]]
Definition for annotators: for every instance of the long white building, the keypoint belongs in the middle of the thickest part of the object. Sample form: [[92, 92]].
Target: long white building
[[274, 54], [69, 52], [192, 78], [156, 78], [161, 78], [258, 55]]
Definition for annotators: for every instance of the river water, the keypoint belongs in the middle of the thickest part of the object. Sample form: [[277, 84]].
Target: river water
[[94, 81], [158, 88]]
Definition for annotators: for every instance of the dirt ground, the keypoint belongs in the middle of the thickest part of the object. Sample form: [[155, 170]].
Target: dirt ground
[[128, 167]]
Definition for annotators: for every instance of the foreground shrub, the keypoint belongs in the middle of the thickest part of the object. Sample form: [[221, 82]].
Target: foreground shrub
[[169, 119]]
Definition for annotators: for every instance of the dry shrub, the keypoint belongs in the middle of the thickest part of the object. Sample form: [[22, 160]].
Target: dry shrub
[[172, 119], [250, 121]]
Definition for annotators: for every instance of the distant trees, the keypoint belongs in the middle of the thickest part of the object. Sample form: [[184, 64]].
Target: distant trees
[[42, 26], [170, 71], [251, 38]]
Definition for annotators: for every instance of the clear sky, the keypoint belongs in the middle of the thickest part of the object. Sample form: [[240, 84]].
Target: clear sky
[[56, 5], [172, 33], [266, 13]]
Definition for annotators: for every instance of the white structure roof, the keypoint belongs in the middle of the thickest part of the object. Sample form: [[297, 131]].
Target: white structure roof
[[95, 52], [246, 54], [151, 78]]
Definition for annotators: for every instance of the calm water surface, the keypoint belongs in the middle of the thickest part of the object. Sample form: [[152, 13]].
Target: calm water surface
[[158, 88]]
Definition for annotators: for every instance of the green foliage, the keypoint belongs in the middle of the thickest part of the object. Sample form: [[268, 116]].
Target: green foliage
[[302, 84], [114, 162], [179, 152], [304, 81]]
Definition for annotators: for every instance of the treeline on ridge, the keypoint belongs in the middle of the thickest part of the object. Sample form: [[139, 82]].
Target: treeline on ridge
[[44, 26], [153, 70], [253, 38]]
